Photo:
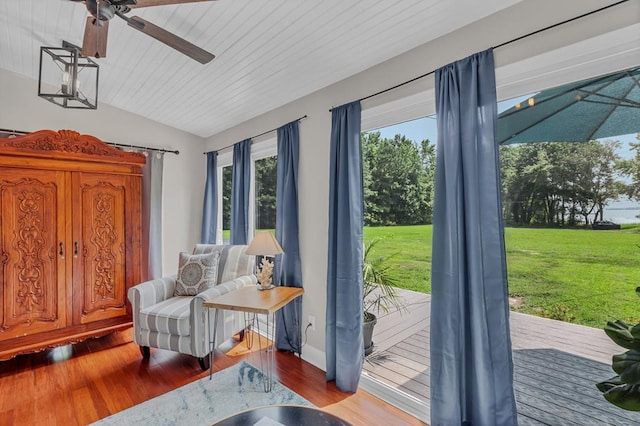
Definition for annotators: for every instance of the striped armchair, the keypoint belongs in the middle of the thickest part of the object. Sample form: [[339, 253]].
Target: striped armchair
[[179, 323]]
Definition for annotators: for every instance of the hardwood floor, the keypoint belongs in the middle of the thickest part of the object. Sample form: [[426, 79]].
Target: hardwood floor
[[79, 384]]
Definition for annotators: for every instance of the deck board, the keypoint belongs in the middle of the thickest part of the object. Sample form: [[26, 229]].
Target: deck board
[[556, 365]]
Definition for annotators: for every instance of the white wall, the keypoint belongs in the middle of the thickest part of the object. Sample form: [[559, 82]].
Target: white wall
[[512, 63], [184, 174]]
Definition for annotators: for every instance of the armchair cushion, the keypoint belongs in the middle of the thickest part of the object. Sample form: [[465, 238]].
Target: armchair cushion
[[169, 316], [196, 273], [233, 260]]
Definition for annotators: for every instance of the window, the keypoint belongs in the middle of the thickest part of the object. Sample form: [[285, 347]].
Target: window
[[224, 197], [226, 204], [262, 207], [263, 186], [265, 193]]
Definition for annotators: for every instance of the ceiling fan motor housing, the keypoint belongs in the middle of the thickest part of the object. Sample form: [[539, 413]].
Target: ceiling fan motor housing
[[104, 10]]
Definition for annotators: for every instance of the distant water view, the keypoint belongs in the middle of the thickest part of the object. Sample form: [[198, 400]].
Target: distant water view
[[623, 211]]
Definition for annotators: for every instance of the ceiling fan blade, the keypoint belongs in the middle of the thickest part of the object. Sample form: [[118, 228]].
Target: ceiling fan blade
[[148, 3], [94, 42], [171, 40]]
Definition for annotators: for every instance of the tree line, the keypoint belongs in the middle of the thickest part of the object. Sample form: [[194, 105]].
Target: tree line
[[398, 177], [543, 184], [564, 183], [398, 183]]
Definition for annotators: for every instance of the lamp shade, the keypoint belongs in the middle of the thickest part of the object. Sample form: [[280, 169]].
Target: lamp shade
[[264, 244]]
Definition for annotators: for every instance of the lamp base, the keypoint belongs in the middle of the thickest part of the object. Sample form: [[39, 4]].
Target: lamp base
[[261, 288]]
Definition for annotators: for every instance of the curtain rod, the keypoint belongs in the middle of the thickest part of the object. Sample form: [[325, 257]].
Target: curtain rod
[[169, 151], [20, 132], [256, 136], [575, 18]]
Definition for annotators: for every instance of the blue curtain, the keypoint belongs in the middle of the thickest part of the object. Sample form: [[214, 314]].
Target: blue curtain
[[210, 204], [288, 271], [471, 365], [344, 344], [241, 176]]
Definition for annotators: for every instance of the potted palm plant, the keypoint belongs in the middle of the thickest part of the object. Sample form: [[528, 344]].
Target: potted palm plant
[[378, 291], [623, 390]]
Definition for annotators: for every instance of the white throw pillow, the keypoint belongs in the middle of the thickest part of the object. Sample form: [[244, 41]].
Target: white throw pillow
[[196, 273]]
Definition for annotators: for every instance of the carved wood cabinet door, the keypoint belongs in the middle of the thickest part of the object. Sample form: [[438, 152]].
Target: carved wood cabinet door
[[99, 246], [32, 251]]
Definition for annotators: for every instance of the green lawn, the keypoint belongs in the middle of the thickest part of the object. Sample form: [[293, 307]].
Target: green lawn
[[577, 275]]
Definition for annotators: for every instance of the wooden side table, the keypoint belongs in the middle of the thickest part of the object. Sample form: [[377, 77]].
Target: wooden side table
[[250, 299]]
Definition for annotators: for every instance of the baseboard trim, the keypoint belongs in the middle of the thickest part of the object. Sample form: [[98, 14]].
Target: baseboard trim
[[314, 356], [310, 354]]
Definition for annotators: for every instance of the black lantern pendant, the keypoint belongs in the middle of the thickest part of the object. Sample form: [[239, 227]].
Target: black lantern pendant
[[73, 77]]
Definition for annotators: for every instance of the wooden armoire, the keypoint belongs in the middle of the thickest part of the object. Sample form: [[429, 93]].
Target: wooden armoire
[[70, 239]]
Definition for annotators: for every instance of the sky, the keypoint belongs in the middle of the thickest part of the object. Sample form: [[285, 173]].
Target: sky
[[622, 211], [425, 128]]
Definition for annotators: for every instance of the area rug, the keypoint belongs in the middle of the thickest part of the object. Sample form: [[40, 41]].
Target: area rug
[[234, 389]]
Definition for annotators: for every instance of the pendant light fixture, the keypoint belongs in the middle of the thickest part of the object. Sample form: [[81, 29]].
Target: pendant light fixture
[[67, 78]]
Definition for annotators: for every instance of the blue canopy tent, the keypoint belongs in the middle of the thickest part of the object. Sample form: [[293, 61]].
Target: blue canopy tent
[[600, 107]]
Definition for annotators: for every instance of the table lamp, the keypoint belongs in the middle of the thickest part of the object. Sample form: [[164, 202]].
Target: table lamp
[[264, 244]]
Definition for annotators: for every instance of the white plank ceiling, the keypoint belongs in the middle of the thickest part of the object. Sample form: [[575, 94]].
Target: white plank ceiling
[[268, 52]]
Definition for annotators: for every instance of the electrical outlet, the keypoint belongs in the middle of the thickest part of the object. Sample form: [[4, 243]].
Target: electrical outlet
[[312, 321]]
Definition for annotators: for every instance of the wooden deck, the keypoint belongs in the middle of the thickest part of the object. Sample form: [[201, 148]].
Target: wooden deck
[[556, 365]]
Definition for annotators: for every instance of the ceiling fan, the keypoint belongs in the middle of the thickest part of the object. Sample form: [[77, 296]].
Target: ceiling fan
[[94, 43]]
